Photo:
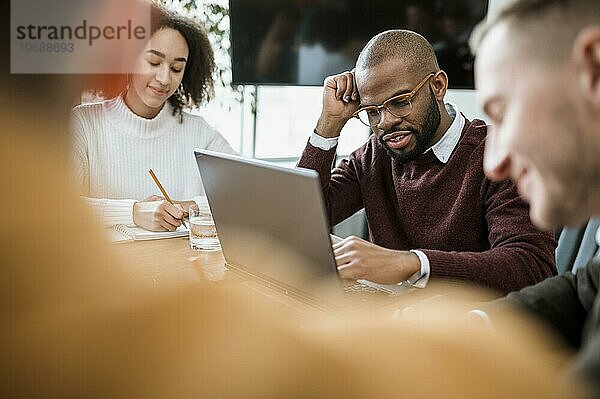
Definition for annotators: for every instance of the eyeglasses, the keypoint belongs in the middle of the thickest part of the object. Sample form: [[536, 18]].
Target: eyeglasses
[[399, 106]]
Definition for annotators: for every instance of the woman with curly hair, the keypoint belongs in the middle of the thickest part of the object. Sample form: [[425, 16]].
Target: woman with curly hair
[[116, 142]]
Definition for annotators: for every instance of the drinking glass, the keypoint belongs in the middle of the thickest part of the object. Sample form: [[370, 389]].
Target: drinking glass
[[203, 234]]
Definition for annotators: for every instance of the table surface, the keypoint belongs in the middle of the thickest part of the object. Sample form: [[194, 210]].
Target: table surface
[[155, 259], [170, 264]]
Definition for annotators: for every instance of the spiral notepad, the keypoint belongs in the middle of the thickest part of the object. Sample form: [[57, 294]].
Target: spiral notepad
[[127, 233]]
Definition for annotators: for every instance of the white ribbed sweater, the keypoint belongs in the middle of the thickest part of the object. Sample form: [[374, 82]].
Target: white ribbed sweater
[[113, 149]]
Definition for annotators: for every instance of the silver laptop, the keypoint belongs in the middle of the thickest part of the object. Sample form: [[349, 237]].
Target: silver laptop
[[272, 225]]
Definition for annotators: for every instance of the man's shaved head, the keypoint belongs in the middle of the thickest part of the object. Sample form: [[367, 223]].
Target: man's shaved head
[[412, 49]]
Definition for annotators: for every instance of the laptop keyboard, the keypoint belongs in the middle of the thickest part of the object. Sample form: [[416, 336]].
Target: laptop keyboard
[[359, 297], [362, 289], [361, 293]]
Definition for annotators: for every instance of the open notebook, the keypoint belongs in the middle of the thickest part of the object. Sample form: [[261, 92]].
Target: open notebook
[[120, 233]]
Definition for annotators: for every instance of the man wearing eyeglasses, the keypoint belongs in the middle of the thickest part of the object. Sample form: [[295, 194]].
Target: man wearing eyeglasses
[[431, 211]]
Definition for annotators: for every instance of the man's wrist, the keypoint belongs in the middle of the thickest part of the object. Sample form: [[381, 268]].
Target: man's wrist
[[420, 278], [321, 142], [329, 128], [413, 264]]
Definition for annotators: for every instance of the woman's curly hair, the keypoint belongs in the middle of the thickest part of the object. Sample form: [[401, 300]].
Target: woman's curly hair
[[197, 85]]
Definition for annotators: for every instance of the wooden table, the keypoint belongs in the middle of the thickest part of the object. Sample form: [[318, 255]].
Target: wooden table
[[155, 260], [172, 264]]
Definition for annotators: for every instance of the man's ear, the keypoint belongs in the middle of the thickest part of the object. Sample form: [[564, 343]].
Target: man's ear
[[586, 54], [439, 84]]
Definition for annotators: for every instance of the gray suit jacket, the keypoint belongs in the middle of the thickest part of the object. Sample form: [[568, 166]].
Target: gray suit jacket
[[570, 303]]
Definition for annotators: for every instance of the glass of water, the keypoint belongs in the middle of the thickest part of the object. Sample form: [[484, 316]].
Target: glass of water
[[203, 234]]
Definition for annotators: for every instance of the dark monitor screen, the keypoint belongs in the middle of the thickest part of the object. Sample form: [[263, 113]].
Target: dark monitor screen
[[300, 42]]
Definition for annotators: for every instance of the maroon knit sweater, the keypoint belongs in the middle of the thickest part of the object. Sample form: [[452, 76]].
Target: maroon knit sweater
[[469, 227]]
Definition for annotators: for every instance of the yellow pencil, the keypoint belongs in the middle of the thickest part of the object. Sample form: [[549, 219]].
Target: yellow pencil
[[160, 187]]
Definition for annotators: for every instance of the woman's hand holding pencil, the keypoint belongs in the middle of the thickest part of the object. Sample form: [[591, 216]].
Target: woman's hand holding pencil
[[157, 213]]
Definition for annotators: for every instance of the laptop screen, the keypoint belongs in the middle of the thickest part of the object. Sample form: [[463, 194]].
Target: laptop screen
[[270, 220]]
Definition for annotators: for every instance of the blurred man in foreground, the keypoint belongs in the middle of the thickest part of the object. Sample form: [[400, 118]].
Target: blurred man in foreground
[[538, 76]]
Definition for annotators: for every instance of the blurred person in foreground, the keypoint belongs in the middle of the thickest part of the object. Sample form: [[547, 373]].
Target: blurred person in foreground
[[77, 323], [431, 211], [538, 78]]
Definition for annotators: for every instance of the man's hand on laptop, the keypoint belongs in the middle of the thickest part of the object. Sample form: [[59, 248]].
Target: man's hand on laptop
[[360, 259]]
